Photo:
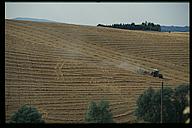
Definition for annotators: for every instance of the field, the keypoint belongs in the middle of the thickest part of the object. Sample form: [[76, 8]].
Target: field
[[60, 68]]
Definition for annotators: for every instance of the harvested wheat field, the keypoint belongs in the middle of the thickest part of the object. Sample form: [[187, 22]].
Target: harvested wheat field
[[59, 68]]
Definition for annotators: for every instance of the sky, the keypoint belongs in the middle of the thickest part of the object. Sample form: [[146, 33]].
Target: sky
[[94, 13]]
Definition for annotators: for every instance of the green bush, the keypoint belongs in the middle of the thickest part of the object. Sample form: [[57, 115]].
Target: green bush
[[99, 113], [27, 114]]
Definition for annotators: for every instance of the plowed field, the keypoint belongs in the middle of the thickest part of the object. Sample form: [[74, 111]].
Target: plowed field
[[60, 68]]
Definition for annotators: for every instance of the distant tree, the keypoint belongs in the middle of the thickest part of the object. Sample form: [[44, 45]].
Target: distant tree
[[150, 26], [99, 113], [158, 27], [144, 26], [27, 114], [132, 24], [99, 25]]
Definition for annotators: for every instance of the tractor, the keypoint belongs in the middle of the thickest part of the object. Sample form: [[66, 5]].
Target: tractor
[[155, 73]]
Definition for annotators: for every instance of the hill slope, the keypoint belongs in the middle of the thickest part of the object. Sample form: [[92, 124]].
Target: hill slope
[[60, 68]]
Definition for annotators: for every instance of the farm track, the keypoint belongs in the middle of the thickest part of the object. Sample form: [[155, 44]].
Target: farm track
[[60, 68]]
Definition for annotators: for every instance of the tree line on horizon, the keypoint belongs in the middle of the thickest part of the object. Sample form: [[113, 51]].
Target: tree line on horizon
[[145, 26]]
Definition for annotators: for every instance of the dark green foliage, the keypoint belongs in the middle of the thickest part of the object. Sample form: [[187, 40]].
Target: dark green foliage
[[181, 102], [27, 114], [99, 113], [91, 113], [147, 110], [174, 102], [132, 24], [105, 116], [168, 106], [148, 26]]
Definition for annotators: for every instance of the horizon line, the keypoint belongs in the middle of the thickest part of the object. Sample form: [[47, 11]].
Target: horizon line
[[92, 24]]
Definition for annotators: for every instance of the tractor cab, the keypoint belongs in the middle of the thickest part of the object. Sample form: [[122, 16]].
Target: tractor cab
[[155, 73]]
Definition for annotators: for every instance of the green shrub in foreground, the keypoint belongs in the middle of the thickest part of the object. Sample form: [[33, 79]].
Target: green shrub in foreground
[[27, 114]]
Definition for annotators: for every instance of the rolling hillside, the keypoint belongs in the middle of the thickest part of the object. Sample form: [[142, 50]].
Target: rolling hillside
[[60, 68]]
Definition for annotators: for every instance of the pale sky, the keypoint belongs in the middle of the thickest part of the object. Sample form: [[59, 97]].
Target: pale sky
[[105, 13]]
